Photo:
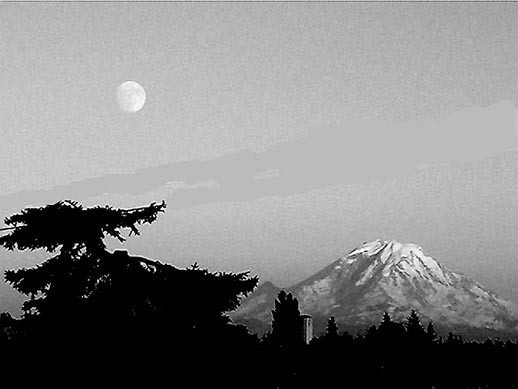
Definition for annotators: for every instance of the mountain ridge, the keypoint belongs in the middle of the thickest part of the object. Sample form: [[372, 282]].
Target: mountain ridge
[[388, 276]]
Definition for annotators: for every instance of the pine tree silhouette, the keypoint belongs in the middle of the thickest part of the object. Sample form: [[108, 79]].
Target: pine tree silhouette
[[91, 306], [286, 321], [76, 235], [453, 339], [331, 329], [430, 332], [386, 325], [370, 335], [391, 332], [416, 342], [414, 327]]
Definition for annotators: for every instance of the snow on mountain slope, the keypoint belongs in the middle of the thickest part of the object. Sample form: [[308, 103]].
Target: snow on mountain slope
[[389, 276]]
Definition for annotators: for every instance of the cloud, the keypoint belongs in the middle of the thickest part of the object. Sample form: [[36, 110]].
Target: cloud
[[266, 174], [342, 154]]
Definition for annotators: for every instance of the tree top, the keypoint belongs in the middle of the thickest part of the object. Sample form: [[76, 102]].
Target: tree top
[[67, 224]]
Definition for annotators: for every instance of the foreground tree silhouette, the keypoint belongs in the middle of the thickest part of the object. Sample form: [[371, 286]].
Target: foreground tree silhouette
[[86, 301], [73, 277]]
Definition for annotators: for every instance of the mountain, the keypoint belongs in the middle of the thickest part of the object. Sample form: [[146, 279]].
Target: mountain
[[386, 276]]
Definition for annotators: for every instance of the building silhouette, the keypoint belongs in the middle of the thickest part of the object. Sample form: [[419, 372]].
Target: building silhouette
[[307, 328]]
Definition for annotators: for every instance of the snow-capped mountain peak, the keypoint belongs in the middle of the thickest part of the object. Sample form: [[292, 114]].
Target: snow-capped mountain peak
[[391, 256], [389, 276]]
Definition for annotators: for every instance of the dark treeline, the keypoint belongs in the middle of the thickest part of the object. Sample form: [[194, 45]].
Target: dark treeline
[[394, 354], [98, 317]]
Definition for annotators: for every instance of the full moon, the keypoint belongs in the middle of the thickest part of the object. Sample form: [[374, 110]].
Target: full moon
[[131, 96]]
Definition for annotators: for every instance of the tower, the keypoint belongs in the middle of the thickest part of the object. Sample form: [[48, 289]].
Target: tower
[[307, 328]]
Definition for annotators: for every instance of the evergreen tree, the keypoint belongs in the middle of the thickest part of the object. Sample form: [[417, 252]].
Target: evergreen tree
[[391, 331], [331, 329], [453, 339], [371, 334], [430, 332], [414, 327], [286, 323], [84, 283], [75, 236], [386, 325], [91, 308], [386, 320]]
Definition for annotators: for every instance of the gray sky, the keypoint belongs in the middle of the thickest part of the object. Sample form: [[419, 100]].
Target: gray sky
[[281, 135]]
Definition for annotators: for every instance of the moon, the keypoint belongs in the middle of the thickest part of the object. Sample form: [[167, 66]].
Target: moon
[[131, 96]]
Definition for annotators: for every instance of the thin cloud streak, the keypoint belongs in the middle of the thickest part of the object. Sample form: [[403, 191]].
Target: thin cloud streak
[[338, 155]]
